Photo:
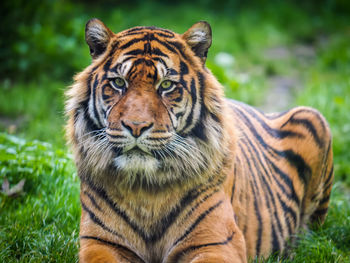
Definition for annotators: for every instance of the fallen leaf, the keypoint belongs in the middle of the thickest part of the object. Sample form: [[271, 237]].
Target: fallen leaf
[[13, 191]]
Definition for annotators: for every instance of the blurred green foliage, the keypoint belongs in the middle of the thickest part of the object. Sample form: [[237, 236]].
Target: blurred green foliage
[[41, 38]]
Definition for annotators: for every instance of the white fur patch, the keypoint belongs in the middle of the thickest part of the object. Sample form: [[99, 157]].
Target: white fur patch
[[98, 32], [136, 162], [125, 68]]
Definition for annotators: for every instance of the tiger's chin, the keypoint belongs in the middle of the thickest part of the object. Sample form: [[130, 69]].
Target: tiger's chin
[[136, 161]]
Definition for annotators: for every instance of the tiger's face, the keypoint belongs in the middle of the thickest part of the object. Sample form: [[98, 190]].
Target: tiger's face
[[143, 111]]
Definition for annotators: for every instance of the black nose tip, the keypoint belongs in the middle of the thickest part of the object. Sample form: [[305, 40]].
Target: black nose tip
[[136, 128]]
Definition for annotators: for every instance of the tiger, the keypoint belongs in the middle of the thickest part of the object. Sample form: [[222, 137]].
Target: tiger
[[172, 171]]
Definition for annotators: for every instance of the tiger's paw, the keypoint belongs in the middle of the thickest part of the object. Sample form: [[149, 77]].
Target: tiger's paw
[[218, 257]]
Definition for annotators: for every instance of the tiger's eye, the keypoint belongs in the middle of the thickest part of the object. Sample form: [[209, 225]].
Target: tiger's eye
[[166, 84], [119, 82]]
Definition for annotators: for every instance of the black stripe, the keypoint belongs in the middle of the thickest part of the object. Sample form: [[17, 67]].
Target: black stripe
[[102, 241], [180, 97], [127, 59], [107, 65], [135, 29], [276, 247], [293, 196], [94, 98], [135, 52], [90, 124], [183, 69], [98, 221], [116, 136], [92, 200], [198, 220], [166, 45], [324, 200], [329, 180], [162, 62], [158, 52], [114, 47], [84, 105], [189, 120], [180, 49], [199, 130], [132, 42], [308, 125], [138, 30], [304, 170], [116, 68], [182, 253], [320, 212], [157, 139], [107, 97], [234, 181], [146, 50], [155, 74], [288, 210], [165, 35]]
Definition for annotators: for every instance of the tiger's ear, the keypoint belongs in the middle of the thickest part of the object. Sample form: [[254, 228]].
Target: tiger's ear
[[97, 36], [198, 37]]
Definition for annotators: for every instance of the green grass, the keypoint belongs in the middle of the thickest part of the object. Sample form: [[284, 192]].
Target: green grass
[[42, 223]]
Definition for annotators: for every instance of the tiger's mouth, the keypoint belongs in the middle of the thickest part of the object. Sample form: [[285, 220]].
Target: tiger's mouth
[[138, 149]]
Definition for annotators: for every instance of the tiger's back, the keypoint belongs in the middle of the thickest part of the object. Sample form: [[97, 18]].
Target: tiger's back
[[283, 174], [173, 172]]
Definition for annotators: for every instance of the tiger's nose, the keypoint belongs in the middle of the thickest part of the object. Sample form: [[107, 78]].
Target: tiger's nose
[[136, 128]]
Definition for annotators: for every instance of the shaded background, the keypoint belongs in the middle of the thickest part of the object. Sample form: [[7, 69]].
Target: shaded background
[[271, 54]]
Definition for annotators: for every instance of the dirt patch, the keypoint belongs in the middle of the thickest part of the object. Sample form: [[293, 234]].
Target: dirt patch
[[281, 93], [11, 125], [283, 88]]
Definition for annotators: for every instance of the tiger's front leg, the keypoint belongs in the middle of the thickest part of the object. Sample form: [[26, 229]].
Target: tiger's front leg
[[214, 237], [93, 251]]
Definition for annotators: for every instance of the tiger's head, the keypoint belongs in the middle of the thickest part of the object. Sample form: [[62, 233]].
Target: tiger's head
[[146, 111]]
